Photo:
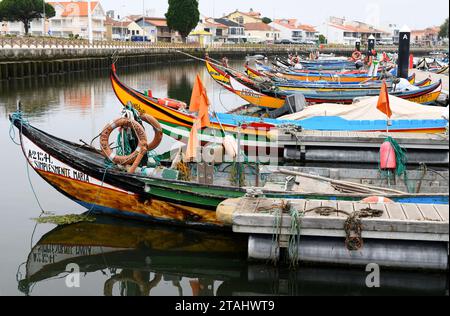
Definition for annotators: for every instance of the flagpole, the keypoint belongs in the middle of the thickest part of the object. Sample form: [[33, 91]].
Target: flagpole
[[90, 32]]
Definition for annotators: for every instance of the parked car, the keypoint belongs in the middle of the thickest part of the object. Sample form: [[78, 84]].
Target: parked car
[[138, 38], [284, 41]]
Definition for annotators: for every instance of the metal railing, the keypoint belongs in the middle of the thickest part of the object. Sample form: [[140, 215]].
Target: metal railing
[[12, 42]]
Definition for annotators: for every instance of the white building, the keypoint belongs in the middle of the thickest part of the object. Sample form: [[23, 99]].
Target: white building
[[261, 33], [71, 19], [341, 31], [236, 32], [289, 30]]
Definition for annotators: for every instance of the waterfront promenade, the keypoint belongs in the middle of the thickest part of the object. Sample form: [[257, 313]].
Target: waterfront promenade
[[30, 57]]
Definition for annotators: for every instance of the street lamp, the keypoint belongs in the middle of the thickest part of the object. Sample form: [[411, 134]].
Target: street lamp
[[43, 19], [90, 35], [143, 20]]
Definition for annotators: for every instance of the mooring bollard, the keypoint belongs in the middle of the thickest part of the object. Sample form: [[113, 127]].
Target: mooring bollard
[[371, 43], [403, 52]]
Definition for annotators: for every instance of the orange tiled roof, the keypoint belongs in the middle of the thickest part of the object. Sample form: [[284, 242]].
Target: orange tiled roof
[[307, 28], [156, 21], [350, 28], [289, 23], [260, 26], [72, 8], [110, 21]]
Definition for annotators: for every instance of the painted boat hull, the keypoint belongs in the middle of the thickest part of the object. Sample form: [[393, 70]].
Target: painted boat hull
[[252, 93], [82, 174], [177, 124]]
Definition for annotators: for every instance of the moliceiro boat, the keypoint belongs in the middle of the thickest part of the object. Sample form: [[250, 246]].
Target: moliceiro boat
[[335, 76], [270, 96], [92, 178], [254, 131]]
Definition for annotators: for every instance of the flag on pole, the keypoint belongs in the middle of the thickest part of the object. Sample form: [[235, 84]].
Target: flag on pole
[[383, 100], [200, 102], [191, 150]]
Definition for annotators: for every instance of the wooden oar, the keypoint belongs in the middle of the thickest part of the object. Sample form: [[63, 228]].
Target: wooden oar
[[375, 189]]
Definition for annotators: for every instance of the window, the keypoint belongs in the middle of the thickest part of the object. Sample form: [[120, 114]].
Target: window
[[267, 35], [219, 32]]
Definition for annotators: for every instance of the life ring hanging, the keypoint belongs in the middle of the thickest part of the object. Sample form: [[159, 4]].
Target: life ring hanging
[[123, 123], [356, 55], [143, 147], [156, 128]]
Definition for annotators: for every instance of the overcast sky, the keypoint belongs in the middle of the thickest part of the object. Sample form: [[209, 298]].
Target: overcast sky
[[414, 13]]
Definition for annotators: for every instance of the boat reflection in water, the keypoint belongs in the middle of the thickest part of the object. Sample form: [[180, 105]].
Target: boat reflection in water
[[136, 259]]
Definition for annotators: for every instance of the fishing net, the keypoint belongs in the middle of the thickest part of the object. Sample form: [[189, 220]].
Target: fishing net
[[237, 174]]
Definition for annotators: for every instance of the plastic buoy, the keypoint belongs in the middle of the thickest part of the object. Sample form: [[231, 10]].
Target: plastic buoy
[[171, 103], [230, 146], [387, 156], [376, 199]]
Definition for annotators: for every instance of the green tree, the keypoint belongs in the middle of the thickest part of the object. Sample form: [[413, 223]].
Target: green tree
[[322, 39], [24, 11], [267, 20], [183, 16], [443, 33]]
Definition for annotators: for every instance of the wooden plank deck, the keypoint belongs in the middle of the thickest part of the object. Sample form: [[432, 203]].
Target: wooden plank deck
[[426, 222]]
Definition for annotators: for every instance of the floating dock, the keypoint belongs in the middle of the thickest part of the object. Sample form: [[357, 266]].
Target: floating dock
[[394, 235], [360, 147]]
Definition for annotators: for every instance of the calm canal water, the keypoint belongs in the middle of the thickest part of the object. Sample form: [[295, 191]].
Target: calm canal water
[[128, 258]]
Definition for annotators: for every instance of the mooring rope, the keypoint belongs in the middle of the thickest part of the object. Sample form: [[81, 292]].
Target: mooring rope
[[352, 225], [294, 238]]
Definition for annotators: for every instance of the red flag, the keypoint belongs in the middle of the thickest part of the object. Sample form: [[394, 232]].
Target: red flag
[[383, 100], [200, 102]]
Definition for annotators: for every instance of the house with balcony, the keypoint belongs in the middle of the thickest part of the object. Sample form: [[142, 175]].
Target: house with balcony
[[156, 30], [261, 33], [236, 32], [71, 19], [121, 30], [244, 17], [341, 31], [425, 37], [310, 34], [289, 30], [218, 31]]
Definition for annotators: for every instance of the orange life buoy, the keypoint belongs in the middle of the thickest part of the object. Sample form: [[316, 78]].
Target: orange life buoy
[[135, 157], [143, 147], [171, 103], [376, 199], [356, 55], [156, 128]]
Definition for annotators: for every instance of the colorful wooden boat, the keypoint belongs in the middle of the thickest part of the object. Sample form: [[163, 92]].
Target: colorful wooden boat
[[84, 175], [260, 95], [327, 85], [341, 77], [252, 130]]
